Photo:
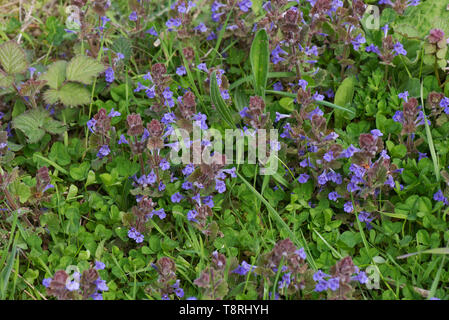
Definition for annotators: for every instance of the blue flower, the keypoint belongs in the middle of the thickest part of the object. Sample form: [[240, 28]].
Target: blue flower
[[46, 282], [122, 140], [152, 31], [359, 39], [245, 5], [275, 55], [180, 71], [202, 67], [109, 75], [303, 178], [398, 48], [173, 23], [99, 265], [177, 197], [133, 16], [103, 152], [244, 268], [348, 207]]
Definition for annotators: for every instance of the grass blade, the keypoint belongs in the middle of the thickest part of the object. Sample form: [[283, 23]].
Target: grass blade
[[430, 139], [218, 101], [278, 218], [260, 59], [322, 102]]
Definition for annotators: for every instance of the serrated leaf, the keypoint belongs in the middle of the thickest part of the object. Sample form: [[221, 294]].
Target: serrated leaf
[[5, 80], [122, 45], [54, 126], [12, 58], [74, 94], [55, 74], [35, 123], [260, 60], [51, 96], [83, 69], [31, 123]]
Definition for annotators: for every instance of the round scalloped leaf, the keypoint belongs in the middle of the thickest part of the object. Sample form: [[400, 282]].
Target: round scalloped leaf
[[12, 58], [83, 69], [55, 74]]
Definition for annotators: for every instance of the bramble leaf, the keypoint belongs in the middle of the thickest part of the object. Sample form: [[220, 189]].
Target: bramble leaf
[[12, 58], [83, 69], [55, 74]]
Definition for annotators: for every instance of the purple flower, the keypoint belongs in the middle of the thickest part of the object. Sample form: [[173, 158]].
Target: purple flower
[[301, 253], [322, 285], [438, 196], [173, 23], [444, 103], [376, 133], [348, 207], [103, 152], [152, 31], [220, 186], [303, 84], [372, 48], [114, 113], [245, 5], [328, 156], [122, 140], [322, 178], [421, 155], [46, 282], [99, 265], [349, 152], [96, 296], [403, 95], [201, 27], [109, 75], [303, 178], [244, 268], [101, 285], [359, 39], [188, 169], [398, 48], [333, 283], [360, 277], [203, 67], [275, 55], [177, 197], [133, 16], [280, 116], [191, 215], [164, 165], [334, 196], [136, 235], [278, 86], [180, 71]]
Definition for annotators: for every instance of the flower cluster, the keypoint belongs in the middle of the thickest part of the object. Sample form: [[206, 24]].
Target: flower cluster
[[83, 286]]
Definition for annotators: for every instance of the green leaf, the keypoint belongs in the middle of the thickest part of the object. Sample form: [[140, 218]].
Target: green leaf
[[260, 60], [12, 58], [51, 96], [55, 74], [59, 154], [79, 172], [33, 124], [5, 80], [218, 101], [84, 69], [74, 94], [124, 46]]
